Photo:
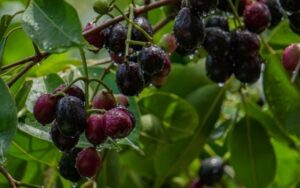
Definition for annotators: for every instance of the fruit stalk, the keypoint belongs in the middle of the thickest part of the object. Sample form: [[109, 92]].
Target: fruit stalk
[[235, 13], [295, 72], [86, 75]]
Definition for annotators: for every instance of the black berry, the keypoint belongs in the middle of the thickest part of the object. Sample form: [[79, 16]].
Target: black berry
[[218, 21], [44, 109], [211, 171], [275, 10], [117, 38], [294, 20], [71, 91], [203, 6], [292, 6], [96, 39], [88, 162], [218, 69], [244, 42], [151, 59], [139, 36], [217, 41], [67, 165], [95, 130]]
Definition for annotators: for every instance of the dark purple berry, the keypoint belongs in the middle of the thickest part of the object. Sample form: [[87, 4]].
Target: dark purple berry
[[217, 41], [160, 78], [139, 36], [218, 69], [244, 42], [183, 51], [95, 130], [130, 79], [151, 59], [66, 165], [71, 91], [218, 21], [70, 116], [211, 171], [188, 29], [104, 100], [44, 109], [275, 10], [88, 162], [292, 6], [294, 20], [122, 100], [95, 39], [62, 142], [203, 6], [248, 69], [119, 123], [257, 17], [117, 38]]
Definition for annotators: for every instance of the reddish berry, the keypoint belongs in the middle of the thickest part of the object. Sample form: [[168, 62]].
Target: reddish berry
[[44, 109], [72, 91], [168, 43], [275, 10], [104, 100], [88, 162], [62, 142], [257, 17], [291, 57], [96, 39], [244, 42], [160, 78], [119, 123], [152, 59], [117, 58], [95, 130], [196, 184], [122, 100], [66, 165]]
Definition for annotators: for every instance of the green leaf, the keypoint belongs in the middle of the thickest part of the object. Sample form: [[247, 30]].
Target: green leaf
[[53, 25], [8, 118], [52, 81], [175, 157], [4, 23], [2, 47], [22, 94], [252, 155]]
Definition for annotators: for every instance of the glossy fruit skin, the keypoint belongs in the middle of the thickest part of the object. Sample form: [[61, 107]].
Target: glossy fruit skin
[[70, 116], [160, 78], [104, 100], [139, 36], [203, 6], [119, 123], [218, 69], [95, 130], [211, 170], [217, 21], [257, 17], [88, 162], [248, 69], [96, 39], [188, 29], [117, 38], [292, 6], [244, 42], [291, 57], [44, 109], [275, 10], [122, 100], [72, 91], [66, 165], [151, 59], [62, 142], [294, 21], [130, 79], [217, 41], [101, 7]]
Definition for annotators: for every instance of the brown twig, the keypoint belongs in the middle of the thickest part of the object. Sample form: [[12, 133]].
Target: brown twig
[[163, 22]]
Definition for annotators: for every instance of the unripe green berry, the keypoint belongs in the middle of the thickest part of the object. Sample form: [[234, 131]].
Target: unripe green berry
[[101, 7]]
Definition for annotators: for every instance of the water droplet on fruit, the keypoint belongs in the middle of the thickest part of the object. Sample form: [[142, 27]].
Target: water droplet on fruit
[[191, 56], [221, 84]]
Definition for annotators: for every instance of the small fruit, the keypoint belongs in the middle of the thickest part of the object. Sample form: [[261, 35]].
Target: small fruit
[[203, 6], [139, 36], [218, 69], [88, 162], [294, 20], [160, 78], [130, 79], [95, 130], [119, 122], [71, 91], [257, 17], [101, 7], [211, 171], [62, 142], [70, 116], [218, 21], [275, 10], [151, 59], [291, 57], [117, 38], [104, 100], [168, 43], [244, 42], [122, 100], [217, 41], [248, 69], [66, 165], [292, 6], [196, 184], [117, 58], [96, 39], [44, 109], [188, 29]]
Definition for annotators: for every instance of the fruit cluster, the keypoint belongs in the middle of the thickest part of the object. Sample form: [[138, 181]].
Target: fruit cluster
[[146, 64], [233, 51], [64, 108], [210, 173]]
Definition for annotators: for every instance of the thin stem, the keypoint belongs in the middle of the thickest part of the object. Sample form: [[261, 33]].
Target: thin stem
[[295, 72], [100, 111], [101, 83], [134, 24], [70, 85], [86, 75], [20, 74], [135, 42], [266, 44], [163, 22], [129, 31], [235, 13], [102, 76], [13, 30]]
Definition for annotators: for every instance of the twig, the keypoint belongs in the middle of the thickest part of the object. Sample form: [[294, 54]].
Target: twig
[[102, 76], [163, 22]]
